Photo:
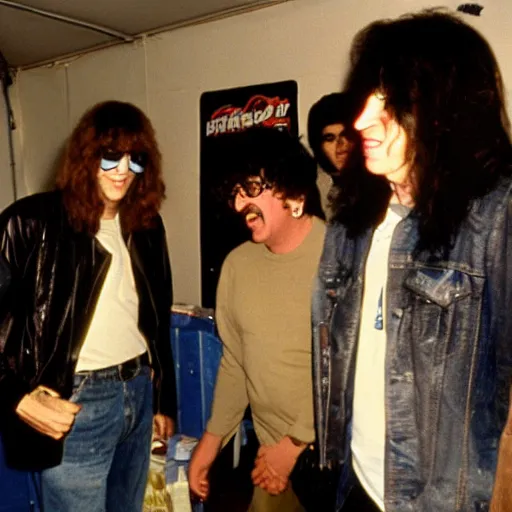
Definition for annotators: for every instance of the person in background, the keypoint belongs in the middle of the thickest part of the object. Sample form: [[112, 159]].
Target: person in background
[[332, 138], [263, 314], [85, 360], [411, 311], [330, 131]]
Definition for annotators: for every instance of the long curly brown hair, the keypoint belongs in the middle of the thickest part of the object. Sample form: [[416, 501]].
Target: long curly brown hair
[[120, 127]]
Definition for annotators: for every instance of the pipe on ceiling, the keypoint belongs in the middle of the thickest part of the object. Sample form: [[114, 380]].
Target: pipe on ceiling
[[66, 19], [216, 16]]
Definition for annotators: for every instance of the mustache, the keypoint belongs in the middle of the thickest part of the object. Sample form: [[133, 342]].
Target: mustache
[[250, 208]]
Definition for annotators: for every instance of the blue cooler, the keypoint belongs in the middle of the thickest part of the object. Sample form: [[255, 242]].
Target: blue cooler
[[197, 352], [18, 489]]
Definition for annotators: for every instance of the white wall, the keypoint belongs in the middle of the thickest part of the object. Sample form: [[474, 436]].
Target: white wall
[[304, 40], [6, 188]]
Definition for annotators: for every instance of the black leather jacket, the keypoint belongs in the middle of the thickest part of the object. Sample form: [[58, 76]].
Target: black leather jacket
[[56, 278]]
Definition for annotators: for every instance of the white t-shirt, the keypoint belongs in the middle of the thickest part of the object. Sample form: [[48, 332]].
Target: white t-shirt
[[369, 414], [113, 336]]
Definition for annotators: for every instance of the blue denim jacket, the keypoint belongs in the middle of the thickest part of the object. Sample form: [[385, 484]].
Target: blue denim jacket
[[448, 358]]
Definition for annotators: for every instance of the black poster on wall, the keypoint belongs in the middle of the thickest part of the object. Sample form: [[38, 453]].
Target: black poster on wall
[[223, 112]]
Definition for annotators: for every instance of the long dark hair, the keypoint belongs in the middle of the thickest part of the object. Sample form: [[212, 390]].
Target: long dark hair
[[442, 83]]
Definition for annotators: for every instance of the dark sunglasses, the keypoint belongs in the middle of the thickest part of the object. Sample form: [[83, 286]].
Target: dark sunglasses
[[250, 187], [137, 160]]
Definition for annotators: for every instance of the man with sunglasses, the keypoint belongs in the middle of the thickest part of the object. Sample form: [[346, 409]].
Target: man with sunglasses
[[263, 314], [85, 362]]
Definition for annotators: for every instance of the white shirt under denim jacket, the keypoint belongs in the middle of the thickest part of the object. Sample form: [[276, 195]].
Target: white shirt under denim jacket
[[448, 360]]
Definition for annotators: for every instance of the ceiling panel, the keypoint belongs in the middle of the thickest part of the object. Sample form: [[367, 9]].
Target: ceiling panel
[[27, 38], [136, 16]]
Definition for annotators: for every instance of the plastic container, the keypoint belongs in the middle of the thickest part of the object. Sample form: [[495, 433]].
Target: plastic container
[[19, 490], [197, 352], [179, 492], [176, 467]]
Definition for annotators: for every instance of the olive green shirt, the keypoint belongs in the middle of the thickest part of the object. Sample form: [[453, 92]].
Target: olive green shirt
[[264, 320]]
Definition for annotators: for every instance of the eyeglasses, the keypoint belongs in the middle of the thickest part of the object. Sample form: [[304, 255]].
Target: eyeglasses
[[137, 160], [251, 187]]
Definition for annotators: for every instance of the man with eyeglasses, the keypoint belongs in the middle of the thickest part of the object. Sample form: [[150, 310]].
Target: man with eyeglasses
[[263, 314], [85, 363]]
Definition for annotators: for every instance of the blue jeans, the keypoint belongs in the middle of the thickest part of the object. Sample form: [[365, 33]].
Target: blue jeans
[[106, 454]]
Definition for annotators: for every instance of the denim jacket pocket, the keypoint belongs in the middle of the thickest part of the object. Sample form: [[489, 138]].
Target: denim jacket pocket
[[440, 286], [441, 313]]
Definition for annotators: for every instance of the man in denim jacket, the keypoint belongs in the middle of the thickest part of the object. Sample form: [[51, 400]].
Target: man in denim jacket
[[412, 319]]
